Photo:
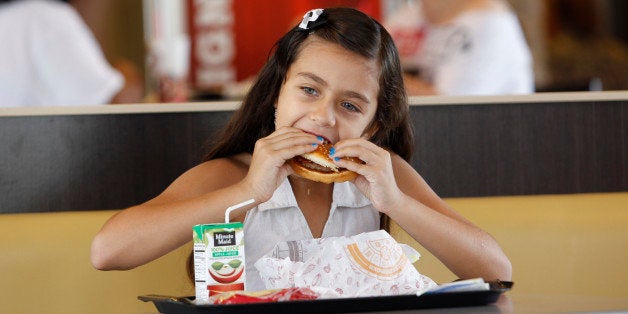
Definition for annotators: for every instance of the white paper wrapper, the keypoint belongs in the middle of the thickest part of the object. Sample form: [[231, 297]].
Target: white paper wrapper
[[368, 264]]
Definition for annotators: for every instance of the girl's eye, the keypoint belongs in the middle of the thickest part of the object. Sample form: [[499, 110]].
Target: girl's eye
[[309, 90], [350, 106]]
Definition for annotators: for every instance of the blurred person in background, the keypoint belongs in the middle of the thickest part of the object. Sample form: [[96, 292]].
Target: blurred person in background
[[461, 47], [51, 58]]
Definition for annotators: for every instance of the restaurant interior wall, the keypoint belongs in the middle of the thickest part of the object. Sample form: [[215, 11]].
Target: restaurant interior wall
[[574, 43]]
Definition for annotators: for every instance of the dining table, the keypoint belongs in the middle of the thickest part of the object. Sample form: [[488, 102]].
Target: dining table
[[507, 302]]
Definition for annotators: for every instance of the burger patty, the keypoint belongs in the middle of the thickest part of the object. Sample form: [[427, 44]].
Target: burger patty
[[312, 165]]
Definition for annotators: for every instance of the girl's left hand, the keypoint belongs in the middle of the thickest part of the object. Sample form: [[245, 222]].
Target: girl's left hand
[[376, 178]]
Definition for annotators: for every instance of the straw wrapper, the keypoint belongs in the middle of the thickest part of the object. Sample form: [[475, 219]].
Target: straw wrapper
[[368, 264]]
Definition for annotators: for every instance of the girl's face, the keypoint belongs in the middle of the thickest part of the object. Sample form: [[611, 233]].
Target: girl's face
[[329, 91]]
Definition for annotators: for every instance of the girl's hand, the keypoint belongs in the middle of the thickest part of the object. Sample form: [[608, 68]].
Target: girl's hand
[[376, 178], [268, 167]]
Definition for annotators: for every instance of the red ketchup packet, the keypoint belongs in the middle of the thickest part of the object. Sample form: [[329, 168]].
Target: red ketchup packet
[[277, 295]]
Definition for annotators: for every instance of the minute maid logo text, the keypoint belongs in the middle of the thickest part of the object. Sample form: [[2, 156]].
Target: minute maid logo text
[[223, 238]]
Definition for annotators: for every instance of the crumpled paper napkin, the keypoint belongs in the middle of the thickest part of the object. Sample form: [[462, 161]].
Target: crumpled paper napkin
[[367, 264]]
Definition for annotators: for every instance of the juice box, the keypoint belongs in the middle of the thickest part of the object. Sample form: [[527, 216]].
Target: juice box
[[218, 258]]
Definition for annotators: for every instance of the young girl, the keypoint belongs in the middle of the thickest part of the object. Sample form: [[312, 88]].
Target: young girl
[[335, 77]]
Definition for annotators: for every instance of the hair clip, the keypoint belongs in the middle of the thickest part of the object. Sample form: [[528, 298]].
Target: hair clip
[[313, 19]]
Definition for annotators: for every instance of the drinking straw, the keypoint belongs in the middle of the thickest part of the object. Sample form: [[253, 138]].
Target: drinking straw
[[236, 206]]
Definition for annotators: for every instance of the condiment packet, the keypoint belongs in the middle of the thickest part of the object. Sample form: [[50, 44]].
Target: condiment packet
[[476, 284], [367, 264]]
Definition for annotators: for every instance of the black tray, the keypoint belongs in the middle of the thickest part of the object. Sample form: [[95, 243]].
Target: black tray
[[184, 305]]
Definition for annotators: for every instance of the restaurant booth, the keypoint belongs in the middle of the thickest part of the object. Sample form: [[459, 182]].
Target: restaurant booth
[[545, 174]]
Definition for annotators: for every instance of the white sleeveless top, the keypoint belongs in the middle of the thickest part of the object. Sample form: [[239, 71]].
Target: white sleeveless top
[[280, 219]]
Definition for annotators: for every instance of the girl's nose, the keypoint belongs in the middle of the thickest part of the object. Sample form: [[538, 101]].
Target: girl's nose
[[323, 114]]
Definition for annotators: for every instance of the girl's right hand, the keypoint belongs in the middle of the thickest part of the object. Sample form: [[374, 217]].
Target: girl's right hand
[[268, 167]]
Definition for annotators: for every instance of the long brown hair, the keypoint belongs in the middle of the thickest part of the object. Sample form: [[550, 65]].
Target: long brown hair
[[352, 30]]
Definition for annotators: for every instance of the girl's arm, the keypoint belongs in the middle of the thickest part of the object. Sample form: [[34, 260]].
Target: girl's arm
[[142, 233], [397, 190], [465, 249]]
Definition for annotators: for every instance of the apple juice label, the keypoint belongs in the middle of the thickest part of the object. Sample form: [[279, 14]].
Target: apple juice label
[[218, 258]]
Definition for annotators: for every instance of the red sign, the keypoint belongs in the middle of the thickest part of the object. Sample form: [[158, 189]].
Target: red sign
[[231, 39]]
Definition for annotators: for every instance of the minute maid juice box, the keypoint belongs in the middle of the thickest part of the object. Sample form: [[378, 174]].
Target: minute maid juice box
[[218, 258]]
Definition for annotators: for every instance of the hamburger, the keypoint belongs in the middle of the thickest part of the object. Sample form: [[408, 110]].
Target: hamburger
[[318, 166]]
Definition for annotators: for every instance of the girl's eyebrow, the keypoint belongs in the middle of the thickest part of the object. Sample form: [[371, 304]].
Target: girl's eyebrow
[[321, 81], [313, 77]]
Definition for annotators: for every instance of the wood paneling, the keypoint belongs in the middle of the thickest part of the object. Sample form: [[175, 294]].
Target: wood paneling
[[518, 149], [108, 161], [86, 162]]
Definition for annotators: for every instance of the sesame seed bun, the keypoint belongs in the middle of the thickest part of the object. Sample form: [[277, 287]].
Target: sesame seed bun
[[317, 166]]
